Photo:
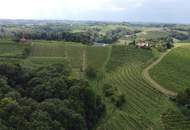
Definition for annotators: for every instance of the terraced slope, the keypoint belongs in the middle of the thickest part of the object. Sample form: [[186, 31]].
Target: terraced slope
[[159, 87], [123, 55], [144, 104], [175, 120], [173, 71]]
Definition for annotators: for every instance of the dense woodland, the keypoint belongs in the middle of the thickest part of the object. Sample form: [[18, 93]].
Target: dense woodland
[[46, 99], [65, 33]]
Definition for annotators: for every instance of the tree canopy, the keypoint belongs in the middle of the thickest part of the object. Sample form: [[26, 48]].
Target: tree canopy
[[46, 98]]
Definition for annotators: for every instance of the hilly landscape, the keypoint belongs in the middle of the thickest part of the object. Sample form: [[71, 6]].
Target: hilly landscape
[[94, 76]]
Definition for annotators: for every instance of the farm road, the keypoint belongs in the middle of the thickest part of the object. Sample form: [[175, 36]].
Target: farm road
[[157, 86]]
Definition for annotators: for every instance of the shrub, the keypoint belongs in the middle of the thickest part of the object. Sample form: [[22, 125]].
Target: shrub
[[108, 90], [183, 98], [26, 52], [91, 73], [119, 100]]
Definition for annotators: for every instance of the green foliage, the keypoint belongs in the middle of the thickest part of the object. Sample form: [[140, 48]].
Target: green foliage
[[118, 100], [183, 98], [108, 90], [46, 99], [91, 73], [112, 36], [5, 102], [169, 43], [183, 101], [116, 97], [26, 52]]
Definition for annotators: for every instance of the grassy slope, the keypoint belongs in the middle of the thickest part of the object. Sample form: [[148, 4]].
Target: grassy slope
[[144, 105], [173, 71]]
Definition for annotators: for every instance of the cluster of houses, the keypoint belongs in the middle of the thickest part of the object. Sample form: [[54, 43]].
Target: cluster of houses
[[143, 44], [23, 40]]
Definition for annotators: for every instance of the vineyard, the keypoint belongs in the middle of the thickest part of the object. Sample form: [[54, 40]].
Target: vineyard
[[144, 105], [43, 52], [175, 120], [122, 55], [173, 71]]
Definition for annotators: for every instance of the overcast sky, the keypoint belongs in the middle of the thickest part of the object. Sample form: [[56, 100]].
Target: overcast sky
[[173, 11]]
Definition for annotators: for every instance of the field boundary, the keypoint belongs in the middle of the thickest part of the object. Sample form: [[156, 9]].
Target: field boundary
[[156, 85]]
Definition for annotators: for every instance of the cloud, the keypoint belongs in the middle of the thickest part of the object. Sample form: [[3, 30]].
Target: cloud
[[114, 10]]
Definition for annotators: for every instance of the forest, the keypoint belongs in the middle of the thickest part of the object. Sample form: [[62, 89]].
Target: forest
[[46, 99]]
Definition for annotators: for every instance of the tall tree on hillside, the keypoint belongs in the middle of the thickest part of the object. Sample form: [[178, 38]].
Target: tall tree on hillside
[[169, 42]]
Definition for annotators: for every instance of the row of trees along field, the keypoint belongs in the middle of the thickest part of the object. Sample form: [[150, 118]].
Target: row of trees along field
[[86, 37], [89, 36], [46, 98]]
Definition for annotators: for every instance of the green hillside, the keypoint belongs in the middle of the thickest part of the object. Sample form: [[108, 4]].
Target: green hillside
[[144, 104], [152, 34], [145, 107], [173, 71]]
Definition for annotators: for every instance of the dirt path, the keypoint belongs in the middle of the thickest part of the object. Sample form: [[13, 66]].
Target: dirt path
[[159, 87]]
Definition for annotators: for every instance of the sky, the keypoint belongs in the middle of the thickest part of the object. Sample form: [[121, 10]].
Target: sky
[[165, 11]]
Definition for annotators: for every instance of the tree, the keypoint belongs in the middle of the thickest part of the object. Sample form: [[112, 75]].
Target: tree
[[108, 90], [41, 120], [169, 42], [4, 88], [183, 98], [26, 52]]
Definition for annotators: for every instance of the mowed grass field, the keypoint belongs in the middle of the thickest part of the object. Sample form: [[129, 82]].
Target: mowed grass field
[[173, 72], [144, 105], [76, 54]]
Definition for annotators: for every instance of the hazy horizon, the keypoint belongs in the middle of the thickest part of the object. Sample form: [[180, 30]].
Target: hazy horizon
[[147, 11]]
